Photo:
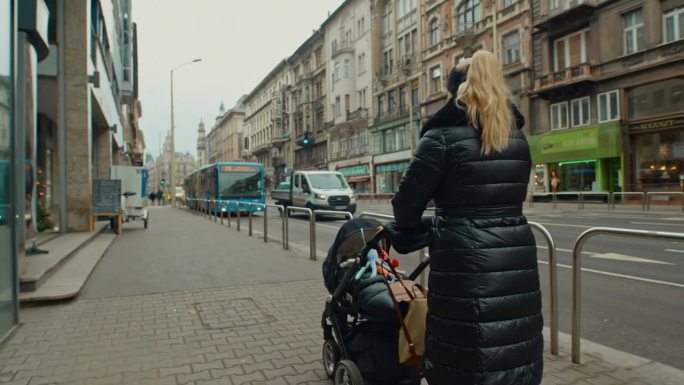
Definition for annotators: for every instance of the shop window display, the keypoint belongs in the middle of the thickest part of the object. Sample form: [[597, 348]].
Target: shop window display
[[659, 161]]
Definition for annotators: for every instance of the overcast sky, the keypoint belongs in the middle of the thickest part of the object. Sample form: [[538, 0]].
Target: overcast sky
[[239, 42]]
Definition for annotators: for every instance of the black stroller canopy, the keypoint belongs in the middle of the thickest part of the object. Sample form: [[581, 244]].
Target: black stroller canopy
[[348, 243]]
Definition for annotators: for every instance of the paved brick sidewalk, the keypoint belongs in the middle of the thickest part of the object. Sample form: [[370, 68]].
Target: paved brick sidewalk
[[256, 334]]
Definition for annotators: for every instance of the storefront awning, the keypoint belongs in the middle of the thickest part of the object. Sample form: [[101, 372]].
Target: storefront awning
[[355, 179]]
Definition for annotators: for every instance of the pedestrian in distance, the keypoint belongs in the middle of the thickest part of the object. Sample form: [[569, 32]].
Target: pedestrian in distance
[[160, 197], [484, 322], [152, 197]]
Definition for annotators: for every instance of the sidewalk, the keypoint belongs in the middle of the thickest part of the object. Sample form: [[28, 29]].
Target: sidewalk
[[254, 333]]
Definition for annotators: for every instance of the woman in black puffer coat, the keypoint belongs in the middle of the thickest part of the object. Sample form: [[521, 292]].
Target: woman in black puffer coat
[[484, 321]]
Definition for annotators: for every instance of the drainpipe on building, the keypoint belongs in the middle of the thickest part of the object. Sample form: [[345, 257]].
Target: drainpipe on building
[[61, 111]]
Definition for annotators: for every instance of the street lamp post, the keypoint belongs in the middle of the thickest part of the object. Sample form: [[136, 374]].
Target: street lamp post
[[173, 139]]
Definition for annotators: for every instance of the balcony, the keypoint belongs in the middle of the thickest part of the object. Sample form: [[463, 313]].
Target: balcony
[[566, 15], [342, 47], [278, 161], [389, 116], [570, 80], [357, 114], [329, 124]]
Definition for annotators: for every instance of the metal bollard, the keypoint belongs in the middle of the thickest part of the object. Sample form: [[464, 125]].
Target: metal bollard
[[249, 213], [312, 235], [222, 206], [265, 223], [237, 219], [215, 211], [229, 212]]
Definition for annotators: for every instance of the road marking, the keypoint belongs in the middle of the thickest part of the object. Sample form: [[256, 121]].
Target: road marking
[[627, 258], [675, 251], [665, 283], [656, 224], [564, 225], [615, 256]]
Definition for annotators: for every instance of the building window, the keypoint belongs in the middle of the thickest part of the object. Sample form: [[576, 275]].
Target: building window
[[402, 98], [405, 7], [661, 98], [609, 106], [388, 61], [508, 3], [434, 31], [381, 107], [337, 106], [634, 30], [580, 112], [673, 25], [415, 99], [336, 74], [387, 19], [347, 69], [553, 4], [570, 50], [391, 101], [362, 63], [435, 79], [559, 116], [469, 14], [511, 43]]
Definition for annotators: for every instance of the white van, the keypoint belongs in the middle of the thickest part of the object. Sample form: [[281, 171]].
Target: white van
[[322, 190]]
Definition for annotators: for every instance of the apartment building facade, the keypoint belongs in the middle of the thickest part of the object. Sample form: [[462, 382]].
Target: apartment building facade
[[608, 95], [266, 112], [396, 47], [224, 141], [306, 99], [348, 38], [454, 30]]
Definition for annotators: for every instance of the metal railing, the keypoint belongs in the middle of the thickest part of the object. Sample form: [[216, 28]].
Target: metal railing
[[628, 194], [312, 227], [283, 212], [346, 214], [553, 285], [577, 271], [664, 193]]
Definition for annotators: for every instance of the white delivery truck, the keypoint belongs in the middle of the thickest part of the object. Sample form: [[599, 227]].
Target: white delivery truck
[[133, 192], [322, 190]]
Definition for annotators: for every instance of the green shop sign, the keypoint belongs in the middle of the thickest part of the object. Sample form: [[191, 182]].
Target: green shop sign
[[354, 171], [595, 142], [385, 168]]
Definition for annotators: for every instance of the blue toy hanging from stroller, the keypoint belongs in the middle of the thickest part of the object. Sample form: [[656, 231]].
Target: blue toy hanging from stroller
[[360, 326]]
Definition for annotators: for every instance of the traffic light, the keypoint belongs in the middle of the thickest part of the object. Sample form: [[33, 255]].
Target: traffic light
[[306, 138], [163, 182]]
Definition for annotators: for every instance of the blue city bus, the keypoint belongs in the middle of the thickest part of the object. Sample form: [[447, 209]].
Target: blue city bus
[[226, 181]]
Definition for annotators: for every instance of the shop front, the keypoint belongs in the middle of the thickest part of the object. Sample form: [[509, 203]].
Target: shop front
[[358, 177], [579, 160], [658, 154], [389, 169], [656, 135]]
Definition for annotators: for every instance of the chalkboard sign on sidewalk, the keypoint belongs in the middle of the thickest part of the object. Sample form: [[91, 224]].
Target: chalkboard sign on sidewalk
[[106, 196]]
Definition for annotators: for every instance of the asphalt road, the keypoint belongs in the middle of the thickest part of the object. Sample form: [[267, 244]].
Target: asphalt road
[[633, 290]]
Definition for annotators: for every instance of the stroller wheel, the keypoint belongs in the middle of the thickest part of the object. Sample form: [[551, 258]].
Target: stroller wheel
[[347, 373], [331, 356]]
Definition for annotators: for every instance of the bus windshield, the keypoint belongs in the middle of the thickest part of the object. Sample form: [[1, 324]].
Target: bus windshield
[[240, 184], [327, 181]]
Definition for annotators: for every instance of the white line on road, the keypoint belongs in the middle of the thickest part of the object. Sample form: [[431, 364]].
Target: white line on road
[[614, 256], [675, 251], [665, 283], [657, 224]]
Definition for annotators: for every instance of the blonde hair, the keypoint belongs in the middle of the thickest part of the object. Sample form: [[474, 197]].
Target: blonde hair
[[486, 99]]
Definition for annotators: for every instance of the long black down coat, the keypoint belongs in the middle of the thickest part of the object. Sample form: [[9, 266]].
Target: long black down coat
[[484, 322]]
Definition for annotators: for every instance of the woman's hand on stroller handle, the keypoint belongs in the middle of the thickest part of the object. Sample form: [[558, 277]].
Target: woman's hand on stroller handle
[[381, 235]]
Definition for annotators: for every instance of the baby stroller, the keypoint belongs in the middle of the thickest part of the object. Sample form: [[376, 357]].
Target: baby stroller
[[360, 326]]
